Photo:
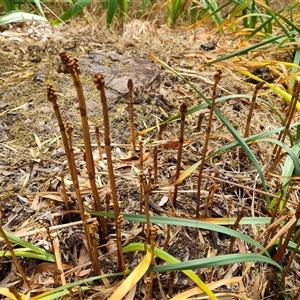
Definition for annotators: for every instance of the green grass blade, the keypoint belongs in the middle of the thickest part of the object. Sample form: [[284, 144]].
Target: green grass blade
[[293, 153], [184, 222], [122, 6], [38, 5], [171, 260], [245, 50], [18, 16], [59, 295], [296, 61], [253, 18], [219, 100], [259, 28], [8, 5], [212, 7], [215, 261], [25, 252], [18, 241], [224, 148], [174, 9], [292, 24], [280, 24], [111, 11], [49, 295], [288, 169], [72, 11]]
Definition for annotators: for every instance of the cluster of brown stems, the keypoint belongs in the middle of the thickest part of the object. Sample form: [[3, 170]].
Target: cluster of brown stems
[[66, 130]]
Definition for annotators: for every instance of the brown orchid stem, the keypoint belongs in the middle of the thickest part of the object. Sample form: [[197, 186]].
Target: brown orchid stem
[[287, 269], [183, 110], [93, 251], [146, 210], [15, 292], [141, 158], [217, 78], [67, 141], [155, 169], [153, 235], [52, 97], [72, 66], [100, 84], [252, 105], [98, 140], [65, 196], [131, 116], [289, 118], [199, 123], [148, 285], [119, 240], [235, 227]]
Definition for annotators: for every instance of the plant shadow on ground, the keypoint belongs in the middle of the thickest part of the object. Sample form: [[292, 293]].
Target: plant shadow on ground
[[33, 157]]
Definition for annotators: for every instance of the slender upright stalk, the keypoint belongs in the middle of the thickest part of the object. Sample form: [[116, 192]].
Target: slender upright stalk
[[52, 97], [131, 117], [153, 235], [146, 210], [289, 118], [141, 158], [235, 227], [72, 66], [119, 240], [183, 110], [98, 140], [65, 196], [67, 140], [155, 154], [287, 269], [100, 84], [93, 251], [217, 78], [251, 109]]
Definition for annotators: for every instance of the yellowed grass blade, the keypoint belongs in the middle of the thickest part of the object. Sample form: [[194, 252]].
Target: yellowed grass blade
[[132, 279], [195, 291], [186, 173], [7, 293]]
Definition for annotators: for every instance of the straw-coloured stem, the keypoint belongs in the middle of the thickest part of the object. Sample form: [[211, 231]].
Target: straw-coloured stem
[[100, 84]]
